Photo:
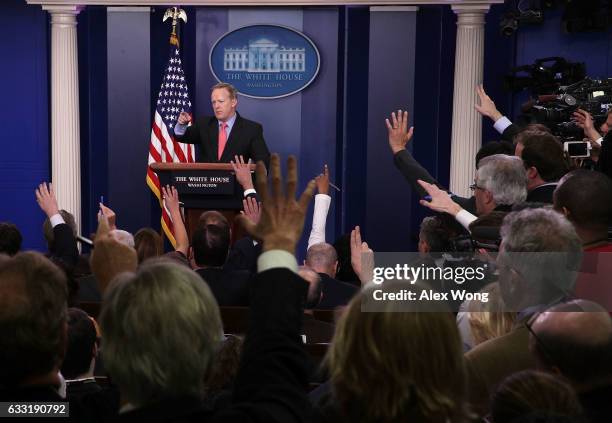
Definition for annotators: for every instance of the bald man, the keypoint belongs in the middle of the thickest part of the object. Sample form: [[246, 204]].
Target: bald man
[[575, 340], [323, 259]]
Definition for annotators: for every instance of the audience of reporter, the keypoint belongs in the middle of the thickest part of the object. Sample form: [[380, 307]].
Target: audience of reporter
[[386, 366], [315, 331], [500, 182], [574, 340], [148, 244], [542, 155], [81, 351], [322, 258], [398, 137], [10, 239], [539, 255], [164, 380], [210, 246], [535, 394]]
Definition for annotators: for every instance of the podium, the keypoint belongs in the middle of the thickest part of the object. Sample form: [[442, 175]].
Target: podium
[[203, 187]]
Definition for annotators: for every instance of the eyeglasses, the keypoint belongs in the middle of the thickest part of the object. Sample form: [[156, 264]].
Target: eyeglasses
[[542, 347], [475, 186]]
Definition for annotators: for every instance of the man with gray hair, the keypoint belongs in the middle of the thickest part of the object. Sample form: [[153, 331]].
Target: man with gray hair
[[323, 259], [501, 182], [539, 255]]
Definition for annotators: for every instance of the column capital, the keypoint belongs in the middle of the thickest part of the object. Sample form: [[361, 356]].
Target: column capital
[[471, 8], [470, 14], [63, 9]]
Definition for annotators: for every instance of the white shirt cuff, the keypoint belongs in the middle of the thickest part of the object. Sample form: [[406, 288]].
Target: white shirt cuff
[[464, 217], [274, 259], [501, 124], [599, 141], [56, 219], [249, 191], [180, 129], [319, 219]]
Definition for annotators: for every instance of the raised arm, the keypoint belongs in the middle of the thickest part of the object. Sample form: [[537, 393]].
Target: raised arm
[[271, 382], [171, 202], [64, 242], [321, 208], [398, 137]]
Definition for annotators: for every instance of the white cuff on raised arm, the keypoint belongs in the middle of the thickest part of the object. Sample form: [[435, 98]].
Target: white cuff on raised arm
[[464, 217], [276, 259], [501, 124], [179, 129], [319, 219], [599, 141], [249, 191], [56, 219]]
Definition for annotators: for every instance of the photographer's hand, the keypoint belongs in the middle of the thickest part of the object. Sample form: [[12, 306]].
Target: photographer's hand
[[584, 120]]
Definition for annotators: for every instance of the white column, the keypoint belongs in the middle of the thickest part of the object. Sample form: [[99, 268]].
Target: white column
[[467, 123], [65, 137]]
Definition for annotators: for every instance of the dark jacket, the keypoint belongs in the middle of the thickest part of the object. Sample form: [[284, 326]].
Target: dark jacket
[[243, 255], [542, 194], [230, 287], [413, 171], [335, 293], [246, 139]]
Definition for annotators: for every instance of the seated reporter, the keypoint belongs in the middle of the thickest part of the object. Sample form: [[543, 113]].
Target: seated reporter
[[176, 327], [395, 362]]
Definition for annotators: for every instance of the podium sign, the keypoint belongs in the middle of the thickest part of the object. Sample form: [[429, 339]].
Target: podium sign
[[203, 182]]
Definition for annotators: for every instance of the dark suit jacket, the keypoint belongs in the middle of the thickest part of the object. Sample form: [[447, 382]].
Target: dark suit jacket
[[335, 292], [413, 171], [542, 194], [246, 139], [316, 331], [243, 255], [274, 367], [510, 132], [230, 287]]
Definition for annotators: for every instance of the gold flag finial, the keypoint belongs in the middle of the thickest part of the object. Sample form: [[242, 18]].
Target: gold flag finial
[[175, 13]]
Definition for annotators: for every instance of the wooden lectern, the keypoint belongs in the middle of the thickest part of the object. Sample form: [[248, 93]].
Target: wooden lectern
[[203, 187]]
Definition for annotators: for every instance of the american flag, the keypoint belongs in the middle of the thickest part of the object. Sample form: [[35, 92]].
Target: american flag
[[173, 98]]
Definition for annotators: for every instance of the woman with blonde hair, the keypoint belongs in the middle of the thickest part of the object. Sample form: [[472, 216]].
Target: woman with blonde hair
[[489, 319], [395, 361]]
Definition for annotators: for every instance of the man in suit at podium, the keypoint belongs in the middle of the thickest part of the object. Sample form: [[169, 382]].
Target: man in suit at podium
[[226, 134]]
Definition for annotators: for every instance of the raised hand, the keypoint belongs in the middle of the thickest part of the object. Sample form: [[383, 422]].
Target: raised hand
[[440, 200], [584, 120], [322, 181], [45, 197], [110, 216], [252, 209], [171, 198], [398, 132], [362, 257], [282, 217], [184, 118], [486, 106], [243, 172], [109, 257]]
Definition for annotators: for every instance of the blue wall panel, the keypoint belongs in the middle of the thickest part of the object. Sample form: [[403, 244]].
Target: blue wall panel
[[129, 117], [391, 87], [24, 117]]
